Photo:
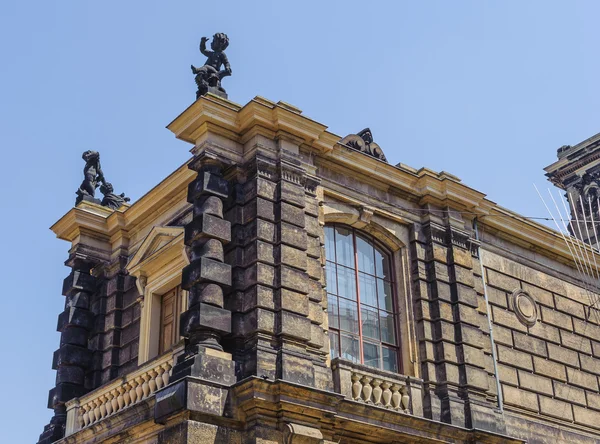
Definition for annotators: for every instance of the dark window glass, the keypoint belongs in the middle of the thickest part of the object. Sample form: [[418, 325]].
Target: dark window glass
[[362, 316]]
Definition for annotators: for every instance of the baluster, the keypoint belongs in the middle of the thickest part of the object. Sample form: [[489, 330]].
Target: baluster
[[91, 415], [139, 390], [367, 390], [395, 396], [132, 392], [356, 386], [124, 391], [109, 408], [103, 411], [152, 382], [405, 398], [114, 402], [146, 384], [159, 380], [167, 373], [86, 416], [377, 391], [97, 416], [387, 393]]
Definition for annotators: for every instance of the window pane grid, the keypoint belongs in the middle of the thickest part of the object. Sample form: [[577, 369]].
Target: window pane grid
[[361, 315]]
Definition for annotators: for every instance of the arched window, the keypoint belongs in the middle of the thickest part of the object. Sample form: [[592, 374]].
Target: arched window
[[360, 293]]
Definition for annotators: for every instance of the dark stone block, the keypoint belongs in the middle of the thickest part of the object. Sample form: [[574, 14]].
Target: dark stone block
[[295, 326], [75, 336], [63, 393], [296, 369], [293, 279], [210, 294], [205, 317], [207, 226], [70, 374], [291, 214], [79, 281], [292, 193], [72, 355], [130, 333], [206, 271], [292, 235], [78, 299], [75, 317], [169, 400], [208, 183], [206, 365]]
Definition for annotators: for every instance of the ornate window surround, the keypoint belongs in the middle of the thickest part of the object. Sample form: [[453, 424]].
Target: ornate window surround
[[394, 236], [157, 266]]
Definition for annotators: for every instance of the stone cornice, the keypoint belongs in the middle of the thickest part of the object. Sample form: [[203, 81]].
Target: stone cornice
[[234, 123]]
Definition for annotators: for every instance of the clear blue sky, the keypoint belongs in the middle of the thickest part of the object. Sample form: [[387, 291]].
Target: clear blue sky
[[484, 90]]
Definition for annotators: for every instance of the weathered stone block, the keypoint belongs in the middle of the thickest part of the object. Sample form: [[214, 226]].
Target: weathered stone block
[[530, 344], [535, 383], [293, 236], [582, 379], [293, 257], [79, 299], [548, 368], [63, 393], [544, 331], [590, 364], [294, 325], [70, 374], [75, 336], [556, 408], [291, 214], [515, 358], [585, 416], [291, 301], [556, 318], [563, 355], [569, 393], [570, 307], [210, 294], [258, 320], [507, 319], [502, 281], [207, 226], [291, 193], [293, 279], [78, 281], [206, 270], [520, 398], [205, 317], [207, 183], [69, 354], [508, 374], [75, 317], [576, 342]]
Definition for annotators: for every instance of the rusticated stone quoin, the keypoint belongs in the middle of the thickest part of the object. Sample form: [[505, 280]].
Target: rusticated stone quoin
[[73, 360], [206, 321]]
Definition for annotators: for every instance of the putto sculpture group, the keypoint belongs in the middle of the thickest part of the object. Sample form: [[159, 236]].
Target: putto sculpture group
[[93, 177], [209, 76]]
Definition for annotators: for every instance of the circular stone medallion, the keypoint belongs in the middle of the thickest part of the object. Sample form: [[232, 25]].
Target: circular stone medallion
[[525, 307]]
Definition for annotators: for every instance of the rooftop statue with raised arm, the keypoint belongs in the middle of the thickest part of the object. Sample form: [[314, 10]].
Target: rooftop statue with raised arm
[[209, 76]]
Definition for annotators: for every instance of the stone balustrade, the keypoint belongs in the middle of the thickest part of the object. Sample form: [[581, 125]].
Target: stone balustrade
[[367, 385], [119, 394]]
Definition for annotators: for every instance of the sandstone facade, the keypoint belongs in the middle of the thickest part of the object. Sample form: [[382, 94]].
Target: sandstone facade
[[240, 228]]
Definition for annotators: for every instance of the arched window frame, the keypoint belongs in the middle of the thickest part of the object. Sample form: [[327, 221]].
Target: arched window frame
[[361, 304]]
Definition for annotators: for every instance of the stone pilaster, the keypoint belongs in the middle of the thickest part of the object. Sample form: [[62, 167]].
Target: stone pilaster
[[206, 320], [73, 359], [277, 296], [452, 332]]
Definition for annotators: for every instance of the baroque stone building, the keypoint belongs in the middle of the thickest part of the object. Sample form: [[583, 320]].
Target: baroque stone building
[[286, 285]]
